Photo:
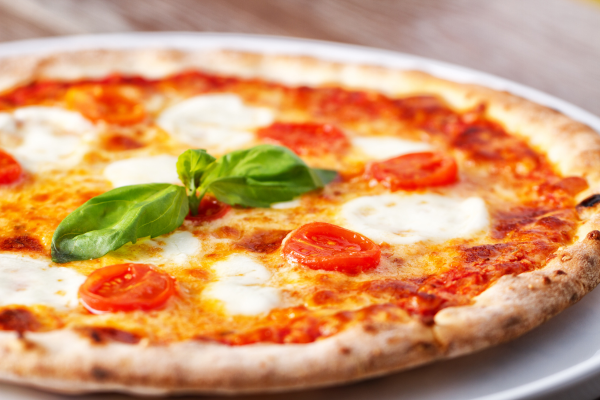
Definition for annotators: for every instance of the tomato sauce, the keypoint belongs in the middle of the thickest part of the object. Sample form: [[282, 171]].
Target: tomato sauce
[[18, 319], [523, 236]]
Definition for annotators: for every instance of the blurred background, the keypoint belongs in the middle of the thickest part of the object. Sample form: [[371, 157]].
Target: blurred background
[[551, 45]]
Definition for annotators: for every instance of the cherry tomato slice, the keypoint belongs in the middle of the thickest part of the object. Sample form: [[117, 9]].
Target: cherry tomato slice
[[414, 171], [126, 287], [108, 103], [10, 169], [319, 245], [306, 138], [210, 209]]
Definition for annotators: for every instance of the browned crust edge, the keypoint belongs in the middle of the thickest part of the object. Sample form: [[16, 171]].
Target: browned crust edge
[[66, 362]]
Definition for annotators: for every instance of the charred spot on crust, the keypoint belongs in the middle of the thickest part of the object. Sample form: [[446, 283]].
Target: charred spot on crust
[[593, 235], [21, 243], [590, 201], [100, 374], [263, 241], [560, 272], [574, 298], [104, 335], [372, 329], [547, 280], [512, 321], [18, 319]]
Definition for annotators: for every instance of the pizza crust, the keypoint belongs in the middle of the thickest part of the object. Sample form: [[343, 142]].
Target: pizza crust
[[572, 146], [517, 304], [66, 362]]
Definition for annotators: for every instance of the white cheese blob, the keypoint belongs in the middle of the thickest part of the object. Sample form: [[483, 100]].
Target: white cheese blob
[[286, 205], [176, 248], [383, 147], [219, 122], [8, 124], [135, 171], [27, 281], [49, 136], [406, 219], [241, 286]]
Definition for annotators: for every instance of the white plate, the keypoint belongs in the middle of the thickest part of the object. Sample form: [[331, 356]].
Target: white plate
[[559, 360]]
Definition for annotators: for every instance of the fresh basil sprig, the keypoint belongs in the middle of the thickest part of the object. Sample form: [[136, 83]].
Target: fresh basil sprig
[[256, 177], [190, 166], [117, 217]]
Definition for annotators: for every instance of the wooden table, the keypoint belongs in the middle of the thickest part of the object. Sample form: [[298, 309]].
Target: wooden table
[[551, 45]]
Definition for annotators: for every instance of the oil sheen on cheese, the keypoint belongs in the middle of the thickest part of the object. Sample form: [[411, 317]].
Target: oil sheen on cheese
[[28, 281], [45, 136], [138, 170], [241, 286], [217, 122], [406, 219], [383, 147]]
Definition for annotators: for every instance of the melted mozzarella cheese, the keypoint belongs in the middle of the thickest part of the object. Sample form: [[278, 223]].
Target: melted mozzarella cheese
[[27, 281], [405, 219], [241, 287], [219, 122], [383, 147], [285, 205], [49, 136], [176, 248], [7, 123], [135, 171]]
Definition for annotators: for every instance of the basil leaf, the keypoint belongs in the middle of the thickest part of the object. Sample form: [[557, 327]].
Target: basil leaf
[[261, 176], [190, 167], [325, 175], [117, 217], [256, 177]]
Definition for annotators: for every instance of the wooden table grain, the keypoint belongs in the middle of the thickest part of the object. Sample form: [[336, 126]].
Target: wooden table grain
[[551, 45]]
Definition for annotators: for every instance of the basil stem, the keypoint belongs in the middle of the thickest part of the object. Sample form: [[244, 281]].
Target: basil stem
[[190, 166]]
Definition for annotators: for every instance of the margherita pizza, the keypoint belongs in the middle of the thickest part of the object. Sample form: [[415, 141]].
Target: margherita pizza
[[224, 222]]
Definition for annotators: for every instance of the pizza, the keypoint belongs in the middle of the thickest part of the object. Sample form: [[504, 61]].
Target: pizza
[[228, 222]]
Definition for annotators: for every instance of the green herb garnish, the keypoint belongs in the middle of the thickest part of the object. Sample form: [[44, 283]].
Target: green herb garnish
[[256, 177]]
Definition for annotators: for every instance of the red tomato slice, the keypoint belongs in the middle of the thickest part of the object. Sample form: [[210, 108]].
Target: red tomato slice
[[306, 138], [126, 287], [10, 169], [415, 170], [319, 245], [209, 210], [107, 103]]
